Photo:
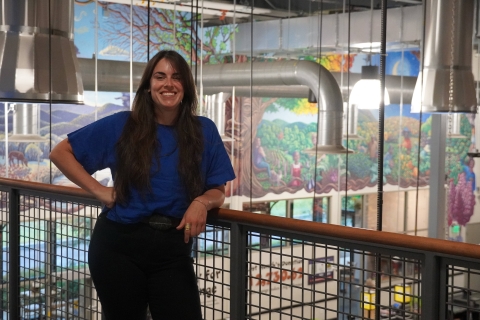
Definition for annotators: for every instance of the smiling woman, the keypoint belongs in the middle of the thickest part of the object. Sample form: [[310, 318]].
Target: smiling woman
[[169, 167], [166, 88]]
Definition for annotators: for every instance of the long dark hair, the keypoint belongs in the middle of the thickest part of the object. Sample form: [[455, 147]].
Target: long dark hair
[[138, 146]]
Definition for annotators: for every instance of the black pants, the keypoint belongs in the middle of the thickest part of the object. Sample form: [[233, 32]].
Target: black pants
[[134, 265]]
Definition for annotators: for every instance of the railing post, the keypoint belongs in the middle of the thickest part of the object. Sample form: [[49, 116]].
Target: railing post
[[433, 295], [14, 254], [238, 272]]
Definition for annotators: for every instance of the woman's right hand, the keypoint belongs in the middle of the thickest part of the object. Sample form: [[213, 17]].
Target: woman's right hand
[[106, 195]]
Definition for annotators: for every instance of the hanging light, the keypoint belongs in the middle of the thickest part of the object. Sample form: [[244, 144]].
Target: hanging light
[[366, 92]]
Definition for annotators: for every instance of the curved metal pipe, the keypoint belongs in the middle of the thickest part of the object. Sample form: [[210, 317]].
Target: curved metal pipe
[[287, 73], [262, 91], [400, 90], [114, 76]]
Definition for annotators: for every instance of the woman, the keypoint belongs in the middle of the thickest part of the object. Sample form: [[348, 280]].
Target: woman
[[169, 167]]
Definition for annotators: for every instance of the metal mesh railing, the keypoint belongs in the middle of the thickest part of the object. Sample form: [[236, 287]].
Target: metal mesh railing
[[248, 266], [212, 265], [463, 292], [53, 276], [314, 280]]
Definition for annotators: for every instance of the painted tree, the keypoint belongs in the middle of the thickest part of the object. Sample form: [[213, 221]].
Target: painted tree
[[248, 111], [158, 29]]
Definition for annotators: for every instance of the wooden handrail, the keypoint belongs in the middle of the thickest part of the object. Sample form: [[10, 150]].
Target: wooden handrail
[[330, 230], [43, 187], [353, 234]]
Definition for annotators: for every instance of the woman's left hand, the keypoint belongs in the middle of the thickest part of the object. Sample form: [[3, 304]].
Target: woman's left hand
[[195, 217], [194, 220]]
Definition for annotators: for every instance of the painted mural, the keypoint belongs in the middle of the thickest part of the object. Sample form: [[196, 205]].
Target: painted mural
[[270, 135]]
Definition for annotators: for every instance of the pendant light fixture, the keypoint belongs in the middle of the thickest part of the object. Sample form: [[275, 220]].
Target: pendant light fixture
[[366, 92]]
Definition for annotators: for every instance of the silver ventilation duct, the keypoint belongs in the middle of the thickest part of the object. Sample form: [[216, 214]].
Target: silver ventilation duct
[[350, 121], [26, 123], [286, 73], [400, 89], [448, 44], [215, 110], [114, 76], [37, 56]]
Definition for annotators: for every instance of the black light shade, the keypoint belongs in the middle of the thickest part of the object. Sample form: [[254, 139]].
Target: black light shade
[[370, 72], [311, 97]]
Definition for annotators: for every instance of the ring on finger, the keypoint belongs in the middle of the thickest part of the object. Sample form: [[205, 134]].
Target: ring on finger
[[187, 226]]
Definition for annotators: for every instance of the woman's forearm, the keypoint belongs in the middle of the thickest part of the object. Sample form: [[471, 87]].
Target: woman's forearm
[[62, 156], [212, 198]]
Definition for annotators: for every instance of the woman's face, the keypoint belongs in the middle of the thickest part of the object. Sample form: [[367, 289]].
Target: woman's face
[[166, 87]]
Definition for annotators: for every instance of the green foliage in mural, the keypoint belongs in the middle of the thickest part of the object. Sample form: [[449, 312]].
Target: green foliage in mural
[[359, 165], [297, 106], [288, 137], [457, 149]]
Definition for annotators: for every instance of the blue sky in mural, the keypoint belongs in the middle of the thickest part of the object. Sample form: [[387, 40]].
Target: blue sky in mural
[[84, 25], [398, 63], [84, 40]]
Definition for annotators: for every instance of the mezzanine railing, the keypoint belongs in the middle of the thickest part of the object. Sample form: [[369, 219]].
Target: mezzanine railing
[[249, 266]]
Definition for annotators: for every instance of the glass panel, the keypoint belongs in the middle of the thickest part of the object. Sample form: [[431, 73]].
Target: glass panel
[[321, 209], [302, 209], [370, 212], [352, 211], [278, 208], [393, 211], [417, 212], [274, 208]]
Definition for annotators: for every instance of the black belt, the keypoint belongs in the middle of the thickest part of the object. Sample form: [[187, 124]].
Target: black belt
[[161, 222]]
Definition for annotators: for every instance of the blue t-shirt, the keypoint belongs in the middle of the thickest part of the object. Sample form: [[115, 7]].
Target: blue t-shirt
[[94, 147]]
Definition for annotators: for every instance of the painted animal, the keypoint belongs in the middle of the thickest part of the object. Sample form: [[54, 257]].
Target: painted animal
[[18, 158]]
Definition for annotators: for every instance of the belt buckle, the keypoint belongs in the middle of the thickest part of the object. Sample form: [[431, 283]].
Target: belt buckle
[[159, 222]]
